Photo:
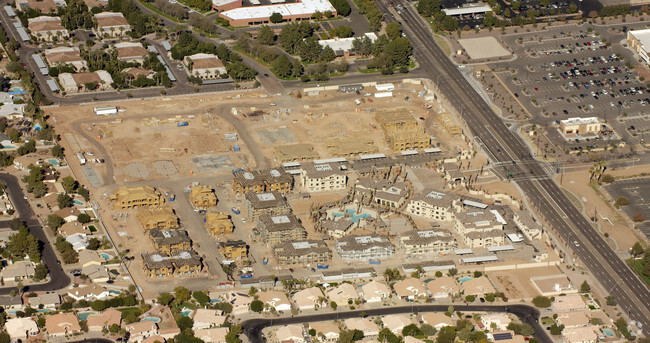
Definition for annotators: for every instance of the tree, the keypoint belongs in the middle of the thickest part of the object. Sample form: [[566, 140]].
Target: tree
[[69, 184], [393, 30], [98, 305], [611, 301], [23, 243], [83, 218], [449, 23], [428, 330], [489, 20], [257, 306], [54, 221], [182, 294], [411, 330], [452, 271], [265, 35], [470, 298], [341, 6], [447, 335], [93, 244], [585, 288], [64, 200], [276, 18], [428, 8], [40, 271], [637, 250], [399, 51], [83, 192], [638, 218], [201, 297], [556, 330], [541, 301], [70, 256], [349, 336], [165, 298], [327, 55], [621, 201], [521, 329], [184, 323], [282, 66], [297, 69]]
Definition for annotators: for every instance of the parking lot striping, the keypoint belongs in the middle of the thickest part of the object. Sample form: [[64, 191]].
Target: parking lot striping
[[72, 141], [512, 94], [91, 176]]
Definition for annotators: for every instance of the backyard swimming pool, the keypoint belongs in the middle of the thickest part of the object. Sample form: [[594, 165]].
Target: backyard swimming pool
[[464, 279], [151, 319], [84, 315], [54, 162]]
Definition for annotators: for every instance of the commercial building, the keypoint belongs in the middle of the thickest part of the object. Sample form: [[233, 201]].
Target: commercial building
[[281, 228], [480, 229], [260, 181], [322, 177], [225, 5], [468, 9], [62, 56], [365, 248], [131, 52], [111, 24], [45, 6], [579, 125], [427, 242], [47, 29], [402, 131], [168, 240], [431, 204], [233, 250], [181, 263], [343, 47], [297, 11], [218, 224], [639, 41], [271, 203], [302, 252], [157, 218], [99, 80], [205, 66], [202, 197]]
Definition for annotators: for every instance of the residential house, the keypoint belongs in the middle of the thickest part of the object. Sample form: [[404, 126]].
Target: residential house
[[271, 203], [309, 298], [62, 324], [23, 162], [99, 80], [168, 240], [10, 303], [291, 333], [478, 287], [65, 56], [275, 229], [567, 303], [136, 72], [48, 300], [443, 287], [411, 339], [160, 218], [44, 6], [89, 293], [495, 321], [110, 24], [573, 319], [131, 52], [410, 289], [436, 319], [322, 177], [218, 223], [431, 204], [213, 335], [587, 334], [96, 273], [240, 302], [364, 248], [375, 291], [90, 257], [344, 46], [100, 321], [337, 228], [21, 328], [302, 252], [133, 197], [205, 66], [328, 332], [274, 299], [262, 181], [47, 29], [480, 229], [343, 293], [72, 227], [427, 242], [155, 339], [365, 325], [233, 250], [207, 318], [139, 331], [79, 241], [180, 263], [17, 271], [202, 197], [69, 214], [396, 322]]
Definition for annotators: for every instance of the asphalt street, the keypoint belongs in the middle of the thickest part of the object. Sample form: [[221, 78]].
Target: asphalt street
[[58, 278], [507, 151], [527, 314]]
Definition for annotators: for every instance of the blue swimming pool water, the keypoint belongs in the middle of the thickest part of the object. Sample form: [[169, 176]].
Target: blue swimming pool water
[[151, 319], [338, 214], [186, 313], [463, 279], [215, 300], [78, 202], [608, 332], [54, 162], [105, 256], [110, 291], [8, 147], [84, 315]]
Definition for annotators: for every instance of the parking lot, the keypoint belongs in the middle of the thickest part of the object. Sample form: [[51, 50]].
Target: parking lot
[[570, 71], [637, 191]]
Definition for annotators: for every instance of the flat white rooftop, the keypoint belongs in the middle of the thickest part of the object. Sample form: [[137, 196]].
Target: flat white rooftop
[[643, 36], [467, 10], [306, 7], [578, 121]]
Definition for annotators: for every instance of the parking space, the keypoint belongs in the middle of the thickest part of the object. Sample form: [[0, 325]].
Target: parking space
[[576, 71], [637, 191]]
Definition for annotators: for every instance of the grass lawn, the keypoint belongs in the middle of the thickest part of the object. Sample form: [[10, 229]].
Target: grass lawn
[[442, 43], [637, 265]]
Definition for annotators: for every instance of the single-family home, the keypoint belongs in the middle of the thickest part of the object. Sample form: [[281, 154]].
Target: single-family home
[[64, 55], [309, 298], [410, 289], [375, 291], [587, 334], [573, 319], [47, 29], [96, 273], [90, 258], [478, 287], [14, 303], [436, 319], [48, 300], [21, 328], [62, 324], [207, 318], [343, 293], [274, 299], [131, 52], [141, 330], [70, 214], [495, 321], [293, 333], [17, 271], [443, 287], [365, 325], [111, 24], [328, 332], [396, 322], [79, 241], [98, 321], [240, 302], [72, 227], [567, 303], [89, 292], [214, 335]]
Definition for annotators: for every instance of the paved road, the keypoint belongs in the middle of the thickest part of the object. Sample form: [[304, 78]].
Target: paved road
[[527, 314], [58, 278], [508, 152]]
